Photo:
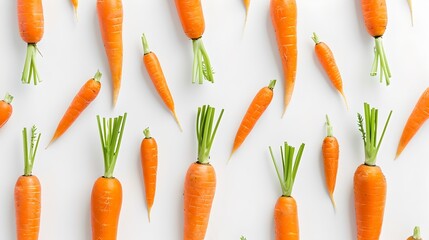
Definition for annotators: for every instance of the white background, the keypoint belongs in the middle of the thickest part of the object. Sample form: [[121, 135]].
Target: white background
[[247, 187]]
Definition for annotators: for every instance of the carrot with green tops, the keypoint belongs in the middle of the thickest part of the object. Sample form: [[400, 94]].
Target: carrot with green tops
[[369, 181], [416, 235], [331, 153], [106, 196], [200, 180], [256, 108], [6, 109], [31, 29], [28, 191], [286, 222], [110, 17], [327, 60], [193, 24], [156, 74], [284, 19]]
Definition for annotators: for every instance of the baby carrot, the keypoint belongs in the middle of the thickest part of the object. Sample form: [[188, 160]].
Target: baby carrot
[[330, 152]]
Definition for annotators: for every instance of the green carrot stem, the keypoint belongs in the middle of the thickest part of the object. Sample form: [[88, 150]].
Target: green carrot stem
[[272, 84], [8, 98], [315, 38], [329, 128], [30, 69], [146, 133], [201, 68], [205, 131], [30, 149], [416, 234], [381, 59], [145, 45], [97, 76]]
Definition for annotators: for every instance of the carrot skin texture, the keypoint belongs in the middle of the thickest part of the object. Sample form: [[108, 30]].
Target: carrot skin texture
[[6, 110], [30, 20], [149, 162], [106, 202], [192, 17], [200, 187], [330, 151], [27, 207], [286, 219], [375, 16]]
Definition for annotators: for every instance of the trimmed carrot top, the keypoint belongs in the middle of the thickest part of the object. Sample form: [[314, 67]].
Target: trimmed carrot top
[[329, 128], [202, 68], [205, 131], [30, 149], [416, 234], [243, 238], [146, 133], [8, 98], [145, 45], [30, 69]]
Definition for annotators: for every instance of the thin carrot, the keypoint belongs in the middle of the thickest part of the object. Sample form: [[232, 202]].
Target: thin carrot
[[327, 60], [369, 181], [416, 235], [6, 109], [410, 4], [110, 17], [416, 119], [200, 180], [330, 152], [259, 103], [156, 74], [75, 4], [284, 19], [106, 196], [193, 24], [286, 222], [28, 191], [31, 28], [246, 6]]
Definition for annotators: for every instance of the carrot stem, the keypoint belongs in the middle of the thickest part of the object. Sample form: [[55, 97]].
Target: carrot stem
[[380, 58], [145, 45], [97, 76], [146, 133], [8, 98], [201, 68], [315, 38], [30, 68], [416, 234], [205, 131], [272, 84], [329, 127], [30, 152]]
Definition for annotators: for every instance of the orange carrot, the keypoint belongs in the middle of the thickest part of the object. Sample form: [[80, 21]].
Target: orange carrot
[[254, 112], [419, 116], [156, 74], [110, 16], [193, 24], [330, 152], [149, 161], [5, 109], [75, 4], [283, 16], [285, 211], [31, 28], [369, 181], [106, 196], [28, 192], [246, 6], [416, 235], [327, 60], [200, 181]]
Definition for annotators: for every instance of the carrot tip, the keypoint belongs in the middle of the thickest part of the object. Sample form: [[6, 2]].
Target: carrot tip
[[345, 100], [177, 120], [331, 195], [148, 214]]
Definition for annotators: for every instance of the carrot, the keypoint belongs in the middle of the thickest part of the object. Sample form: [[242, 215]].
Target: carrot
[[369, 181], [416, 235], [246, 6], [330, 152], [375, 18], [110, 16], [192, 19], [200, 180], [284, 18], [31, 28], [416, 119], [286, 222], [5, 109], [87, 93], [156, 74], [75, 4], [326, 58], [410, 4], [254, 112], [28, 191], [106, 196]]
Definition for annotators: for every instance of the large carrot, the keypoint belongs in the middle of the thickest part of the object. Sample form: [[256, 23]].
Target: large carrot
[[330, 152], [259, 103], [106, 197], [375, 18], [286, 222], [31, 28], [416, 234], [28, 191], [87, 93], [156, 74], [419, 116], [200, 181], [369, 181], [284, 18], [6, 109], [110, 17], [192, 19]]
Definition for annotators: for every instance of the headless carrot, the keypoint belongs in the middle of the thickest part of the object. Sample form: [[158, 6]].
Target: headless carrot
[[5, 109], [416, 235], [330, 152]]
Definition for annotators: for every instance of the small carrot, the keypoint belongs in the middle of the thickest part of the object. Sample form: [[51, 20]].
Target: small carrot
[[330, 152], [416, 119], [28, 191], [156, 74], [31, 28], [87, 93], [327, 60], [200, 180], [106, 196], [286, 222], [149, 161], [5, 109], [369, 181], [110, 17], [254, 112], [416, 235], [284, 19]]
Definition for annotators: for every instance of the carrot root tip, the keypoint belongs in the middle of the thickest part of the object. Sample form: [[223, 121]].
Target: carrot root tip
[[331, 196], [177, 120]]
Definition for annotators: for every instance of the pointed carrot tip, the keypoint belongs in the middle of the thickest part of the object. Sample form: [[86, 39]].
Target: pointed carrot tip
[[333, 202], [148, 214], [177, 120]]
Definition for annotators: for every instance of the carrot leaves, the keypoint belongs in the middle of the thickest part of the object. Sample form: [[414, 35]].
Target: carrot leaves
[[205, 131], [202, 68], [30, 149]]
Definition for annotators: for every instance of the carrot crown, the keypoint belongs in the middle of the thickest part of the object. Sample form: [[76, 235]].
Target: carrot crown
[[315, 38], [416, 234], [97, 76], [8, 98], [145, 45], [30, 70], [205, 131], [30, 149], [290, 168], [111, 136], [146, 133], [329, 128], [243, 238], [201, 69], [369, 133]]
